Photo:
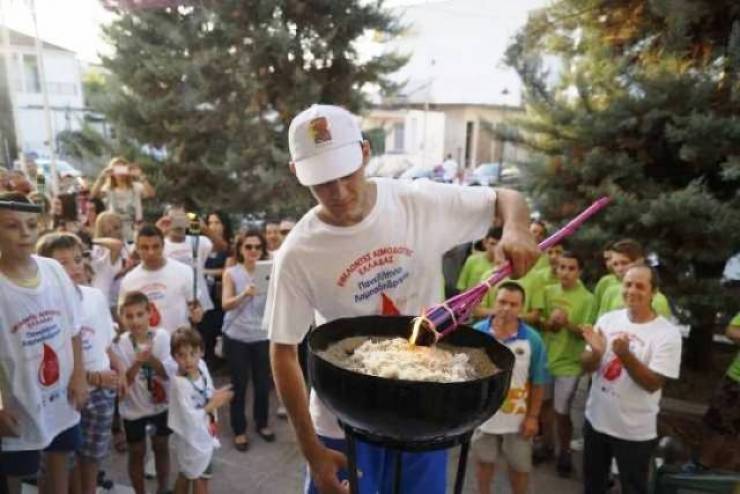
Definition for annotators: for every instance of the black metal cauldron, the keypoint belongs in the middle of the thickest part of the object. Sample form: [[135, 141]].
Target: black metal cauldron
[[406, 415]]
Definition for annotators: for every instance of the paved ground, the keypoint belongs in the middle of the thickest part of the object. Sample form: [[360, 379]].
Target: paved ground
[[278, 468]]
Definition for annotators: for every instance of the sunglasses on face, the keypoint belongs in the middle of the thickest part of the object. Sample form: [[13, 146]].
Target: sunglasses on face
[[252, 246]]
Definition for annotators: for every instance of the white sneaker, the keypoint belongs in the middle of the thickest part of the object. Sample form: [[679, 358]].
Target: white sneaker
[[282, 412]]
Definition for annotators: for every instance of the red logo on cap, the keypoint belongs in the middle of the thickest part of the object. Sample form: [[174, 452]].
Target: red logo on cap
[[319, 129]]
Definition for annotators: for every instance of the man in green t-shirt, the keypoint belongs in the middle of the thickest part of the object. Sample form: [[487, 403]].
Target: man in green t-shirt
[[567, 306], [538, 229], [626, 253], [609, 279], [722, 420], [478, 264]]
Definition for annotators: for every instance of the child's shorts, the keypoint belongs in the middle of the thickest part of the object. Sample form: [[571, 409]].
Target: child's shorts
[[96, 422], [26, 463], [136, 429]]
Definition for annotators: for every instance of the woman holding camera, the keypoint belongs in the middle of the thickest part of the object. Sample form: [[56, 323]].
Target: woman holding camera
[[245, 341], [122, 186]]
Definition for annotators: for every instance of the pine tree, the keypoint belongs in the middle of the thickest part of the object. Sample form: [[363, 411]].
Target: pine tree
[[643, 105], [215, 85]]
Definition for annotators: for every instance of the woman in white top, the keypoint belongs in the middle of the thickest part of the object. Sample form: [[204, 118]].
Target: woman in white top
[[245, 341], [122, 186]]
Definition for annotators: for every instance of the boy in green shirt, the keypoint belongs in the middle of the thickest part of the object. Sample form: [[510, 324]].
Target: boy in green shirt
[[722, 420], [626, 253], [609, 279], [567, 306], [478, 264]]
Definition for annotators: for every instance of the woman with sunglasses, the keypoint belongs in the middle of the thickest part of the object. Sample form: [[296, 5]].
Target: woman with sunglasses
[[246, 347]]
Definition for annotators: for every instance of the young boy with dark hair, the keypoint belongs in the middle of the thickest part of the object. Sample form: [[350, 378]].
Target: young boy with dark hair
[[567, 306], [42, 373], [97, 334], [193, 405], [142, 350]]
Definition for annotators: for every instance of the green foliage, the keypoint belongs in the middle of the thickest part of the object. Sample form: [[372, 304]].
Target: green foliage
[[646, 109], [216, 85], [8, 148]]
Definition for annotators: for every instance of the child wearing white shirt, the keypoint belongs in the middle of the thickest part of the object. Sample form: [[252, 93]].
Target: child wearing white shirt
[[142, 350], [102, 368], [192, 412], [42, 373]]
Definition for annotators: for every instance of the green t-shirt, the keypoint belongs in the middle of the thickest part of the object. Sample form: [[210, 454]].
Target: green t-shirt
[[612, 300], [564, 347], [542, 262], [472, 272], [734, 371], [605, 282], [536, 285]]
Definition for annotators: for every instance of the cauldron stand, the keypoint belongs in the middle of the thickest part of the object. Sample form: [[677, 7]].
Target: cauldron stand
[[352, 434]]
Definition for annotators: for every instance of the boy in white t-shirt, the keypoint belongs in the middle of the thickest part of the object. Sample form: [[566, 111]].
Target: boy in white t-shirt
[[103, 370], [42, 374], [193, 405], [631, 353], [142, 350], [167, 283]]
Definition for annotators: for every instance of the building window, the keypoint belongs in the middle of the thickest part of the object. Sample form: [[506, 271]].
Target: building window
[[31, 74], [468, 143]]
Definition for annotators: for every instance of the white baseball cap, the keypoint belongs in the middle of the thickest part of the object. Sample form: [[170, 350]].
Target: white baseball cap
[[325, 144]]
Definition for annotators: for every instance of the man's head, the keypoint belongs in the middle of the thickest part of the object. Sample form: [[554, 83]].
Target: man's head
[[178, 223], [272, 234], [625, 253], [134, 311], [186, 347], [150, 246], [286, 225], [19, 230], [639, 284], [491, 241], [68, 250], [607, 256], [553, 255], [328, 155], [538, 230], [108, 224], [569, 269], [509, 303]]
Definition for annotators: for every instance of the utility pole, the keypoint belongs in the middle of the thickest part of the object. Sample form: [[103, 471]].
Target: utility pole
[[7, 52], [45, 96]]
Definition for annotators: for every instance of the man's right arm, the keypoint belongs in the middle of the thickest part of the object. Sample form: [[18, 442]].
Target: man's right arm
[[290, 384]]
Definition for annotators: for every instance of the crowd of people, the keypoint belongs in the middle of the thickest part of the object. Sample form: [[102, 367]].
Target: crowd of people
[[619, 341], [111, 326]]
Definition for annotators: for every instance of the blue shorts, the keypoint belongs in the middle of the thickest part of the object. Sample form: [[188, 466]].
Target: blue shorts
[[423, 473], [26, 463]]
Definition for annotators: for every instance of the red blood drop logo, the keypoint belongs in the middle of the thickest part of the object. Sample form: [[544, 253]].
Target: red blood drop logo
[[613, 369], [158, 393], [49, 368], [154, 317], [389, 308]]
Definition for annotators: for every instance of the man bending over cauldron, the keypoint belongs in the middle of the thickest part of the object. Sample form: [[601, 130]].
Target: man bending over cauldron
[[369, 247]]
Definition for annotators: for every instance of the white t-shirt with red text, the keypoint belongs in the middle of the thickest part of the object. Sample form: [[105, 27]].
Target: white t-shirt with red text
[[96, 329], [169, 288], [36, 358], [389, 263], [183, 252], [616, 404], [149, 393]]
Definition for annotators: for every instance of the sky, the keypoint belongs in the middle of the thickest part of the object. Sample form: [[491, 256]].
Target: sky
[[75, 24]]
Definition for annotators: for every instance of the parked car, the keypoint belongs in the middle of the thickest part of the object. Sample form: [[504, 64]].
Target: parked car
[[416, 172]]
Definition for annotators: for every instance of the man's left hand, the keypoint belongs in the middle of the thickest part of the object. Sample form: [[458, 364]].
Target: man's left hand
[[518, 246], [621, 346]]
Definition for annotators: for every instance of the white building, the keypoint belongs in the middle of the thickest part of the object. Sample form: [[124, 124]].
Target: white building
[[64, 85], [457, 89]]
